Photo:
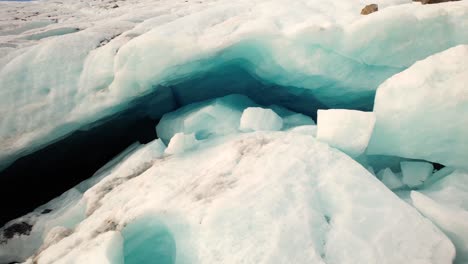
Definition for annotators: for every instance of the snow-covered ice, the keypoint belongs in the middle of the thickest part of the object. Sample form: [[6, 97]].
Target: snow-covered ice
[[260, 119], [347, 130], [422, 112]]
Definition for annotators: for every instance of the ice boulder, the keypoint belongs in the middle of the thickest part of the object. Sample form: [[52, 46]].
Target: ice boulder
[[347, 130], [445, 202], [422, 111], [415, 173], [181, 142], [220, 116], [389, 178], [260, 119]]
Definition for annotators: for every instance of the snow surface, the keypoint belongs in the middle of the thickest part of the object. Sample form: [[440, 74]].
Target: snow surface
[[99, 55], [347, 130], [422, 112], [317, 206]]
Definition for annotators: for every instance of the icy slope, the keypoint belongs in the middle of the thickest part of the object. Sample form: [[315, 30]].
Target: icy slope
[[316, 206], [64, 65]]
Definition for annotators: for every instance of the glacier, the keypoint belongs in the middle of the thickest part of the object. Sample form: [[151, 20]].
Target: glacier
[[253, 131]]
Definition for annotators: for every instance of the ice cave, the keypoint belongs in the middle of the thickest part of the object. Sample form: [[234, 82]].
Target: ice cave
[[247, 131]]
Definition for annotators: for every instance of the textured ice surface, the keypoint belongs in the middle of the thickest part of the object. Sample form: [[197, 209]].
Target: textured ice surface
[[215, 206], [260, 119], [415, 173], [446, 204], [347, 130], [422, 112], [219, 116], [325, 48]]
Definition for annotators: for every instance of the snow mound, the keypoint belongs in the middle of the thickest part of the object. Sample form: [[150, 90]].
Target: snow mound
[[347, 130], [421, 112], [260, 119]]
